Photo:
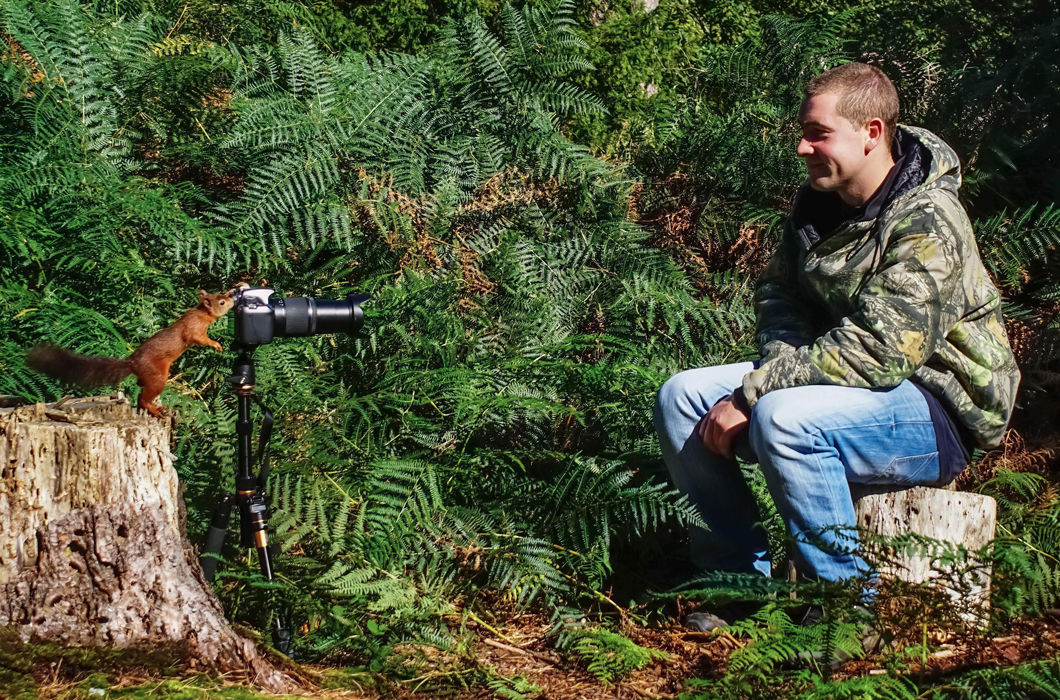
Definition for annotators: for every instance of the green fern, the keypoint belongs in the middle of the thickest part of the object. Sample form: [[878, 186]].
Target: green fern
[[1009, 242], [610, 656]]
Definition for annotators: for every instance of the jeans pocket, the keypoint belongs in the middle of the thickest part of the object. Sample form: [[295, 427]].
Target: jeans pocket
[[915, 469]]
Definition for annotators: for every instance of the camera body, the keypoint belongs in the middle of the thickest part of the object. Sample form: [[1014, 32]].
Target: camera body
[[258, 319]]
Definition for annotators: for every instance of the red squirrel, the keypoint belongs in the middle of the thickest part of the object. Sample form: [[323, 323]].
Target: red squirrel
[[150, 362]]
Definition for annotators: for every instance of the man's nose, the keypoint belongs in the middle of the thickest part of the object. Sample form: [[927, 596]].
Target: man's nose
[[804, 148]]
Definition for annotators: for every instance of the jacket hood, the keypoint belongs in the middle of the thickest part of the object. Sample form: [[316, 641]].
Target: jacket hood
[[941, 168]]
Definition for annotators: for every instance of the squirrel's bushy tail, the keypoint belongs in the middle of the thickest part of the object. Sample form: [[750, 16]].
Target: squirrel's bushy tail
[[86, 370]]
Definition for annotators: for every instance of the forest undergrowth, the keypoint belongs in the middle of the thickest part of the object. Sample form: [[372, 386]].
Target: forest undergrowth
[[554, 207]]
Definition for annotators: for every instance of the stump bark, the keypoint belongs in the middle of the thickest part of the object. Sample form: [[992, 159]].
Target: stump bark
[[92, 545]]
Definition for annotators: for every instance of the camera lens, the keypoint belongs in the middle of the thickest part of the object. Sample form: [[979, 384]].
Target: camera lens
[[301, 316]]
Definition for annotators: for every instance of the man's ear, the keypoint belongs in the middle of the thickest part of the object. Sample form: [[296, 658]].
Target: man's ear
[[875, 130]]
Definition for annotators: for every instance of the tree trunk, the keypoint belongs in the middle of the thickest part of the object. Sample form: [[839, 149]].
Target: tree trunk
[[92, 546]]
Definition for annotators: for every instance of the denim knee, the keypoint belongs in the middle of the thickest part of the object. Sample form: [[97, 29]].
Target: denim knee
[[687, 396], [693, 384], [663, 397], [673, 391], [774, 421]]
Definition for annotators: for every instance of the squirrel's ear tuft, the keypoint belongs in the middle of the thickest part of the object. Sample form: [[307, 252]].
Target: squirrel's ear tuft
[[202, 294]]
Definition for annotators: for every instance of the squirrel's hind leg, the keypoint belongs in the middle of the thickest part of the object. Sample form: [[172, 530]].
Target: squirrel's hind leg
[[150, 389], [152, 408]]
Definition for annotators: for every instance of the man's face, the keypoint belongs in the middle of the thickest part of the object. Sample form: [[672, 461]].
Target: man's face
[[834, 149]]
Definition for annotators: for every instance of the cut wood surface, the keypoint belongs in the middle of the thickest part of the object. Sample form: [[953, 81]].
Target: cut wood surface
[[92, 545]]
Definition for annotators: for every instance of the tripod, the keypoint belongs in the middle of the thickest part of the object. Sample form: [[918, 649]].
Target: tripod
[[249, 495]]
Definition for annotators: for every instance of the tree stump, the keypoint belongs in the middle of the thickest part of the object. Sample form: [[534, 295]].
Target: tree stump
[[92, 545], [956, 517]]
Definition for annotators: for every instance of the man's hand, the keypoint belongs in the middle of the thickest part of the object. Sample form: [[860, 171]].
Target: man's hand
[[722, 427]]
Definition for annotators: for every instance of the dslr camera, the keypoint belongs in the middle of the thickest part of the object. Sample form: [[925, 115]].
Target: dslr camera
[[259, 319]]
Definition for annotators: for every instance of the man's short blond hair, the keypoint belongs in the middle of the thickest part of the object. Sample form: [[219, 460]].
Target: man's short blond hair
[[865, 92]]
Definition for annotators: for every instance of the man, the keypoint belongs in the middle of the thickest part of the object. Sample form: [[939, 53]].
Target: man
[[883, 351]]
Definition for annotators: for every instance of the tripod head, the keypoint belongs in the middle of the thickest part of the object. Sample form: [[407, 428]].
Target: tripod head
[[242, 377]]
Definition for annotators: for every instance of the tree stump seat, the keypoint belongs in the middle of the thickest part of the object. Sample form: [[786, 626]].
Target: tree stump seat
[[941, 514]]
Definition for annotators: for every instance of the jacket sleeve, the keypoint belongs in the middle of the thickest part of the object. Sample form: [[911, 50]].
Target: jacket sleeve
[[894, 327], [782, 321]]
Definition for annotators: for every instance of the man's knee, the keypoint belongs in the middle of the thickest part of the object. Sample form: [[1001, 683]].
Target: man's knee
[[689, 395], [779, 417], [691, 391], [676, 388], [673, 391]]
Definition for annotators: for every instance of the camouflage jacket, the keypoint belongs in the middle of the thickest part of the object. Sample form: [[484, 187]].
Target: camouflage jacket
[[901, 295]]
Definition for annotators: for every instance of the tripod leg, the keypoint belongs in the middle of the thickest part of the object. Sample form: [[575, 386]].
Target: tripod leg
[[281, 636], [215, 535], [256, 518]]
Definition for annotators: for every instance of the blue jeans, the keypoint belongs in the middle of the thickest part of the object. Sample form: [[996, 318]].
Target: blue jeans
[[810, 442]]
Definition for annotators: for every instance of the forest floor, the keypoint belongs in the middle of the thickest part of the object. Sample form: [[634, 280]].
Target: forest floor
[[515, 655], [694, 655]]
